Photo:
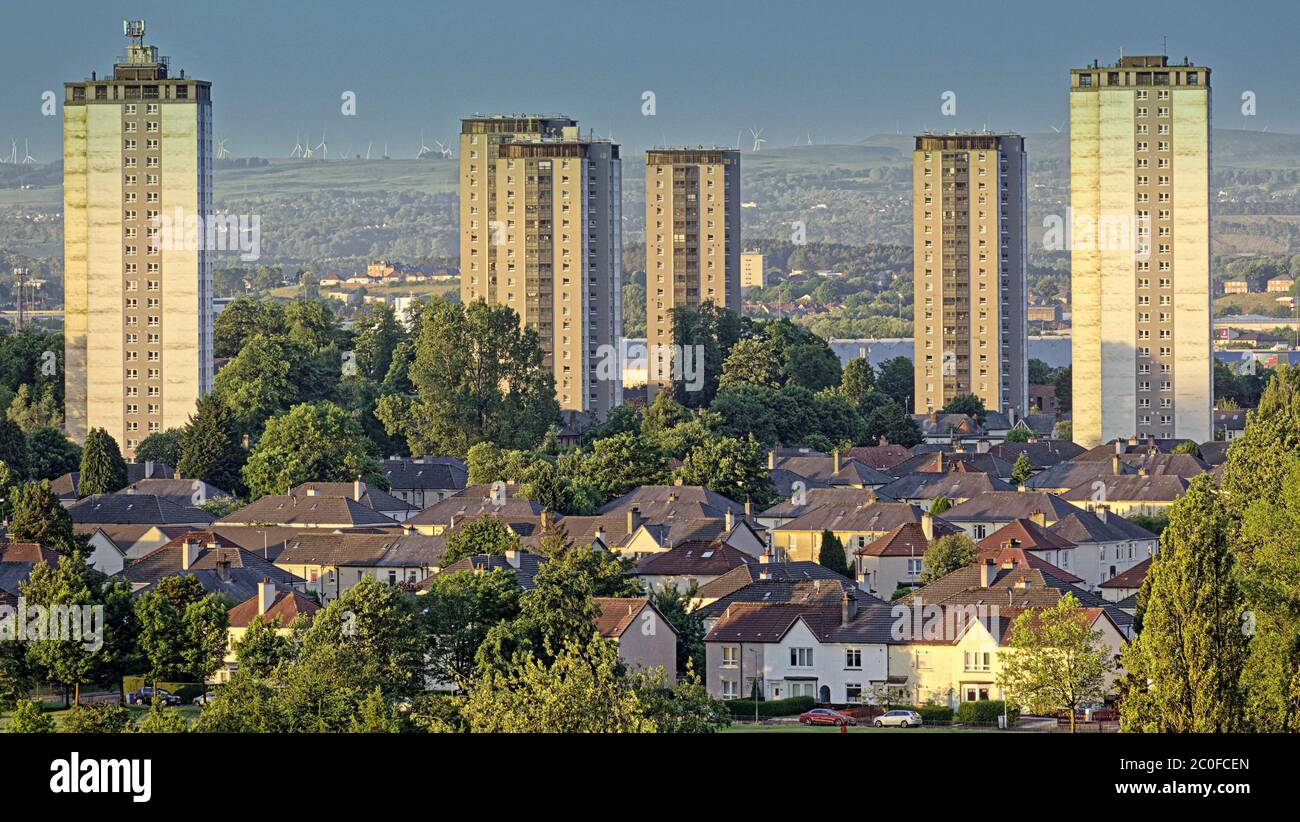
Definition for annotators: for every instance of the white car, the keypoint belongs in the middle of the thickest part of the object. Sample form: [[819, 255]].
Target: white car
[[204, 698], [898, 719]]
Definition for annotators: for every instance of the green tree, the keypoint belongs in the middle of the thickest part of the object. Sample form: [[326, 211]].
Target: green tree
[[1188, 447], [162, 446], [242, 320], [374, 629], [582, 690], [100, 718], [621, 463], [103, 471], [752, 361], [893, 425], [675, 604], [375, 715], [1192, 647], [484, 535], [895, 380], [377, 335], [162, 720], [36, 515], [182, 630], [13, 448], [947, 554], [662, 414], [28, 718], [735, 468], [52, 454], [30, 413], [1018, 435], [270, 375], [210, 446], [714, 330], [479, 377], [312, 442], [262, 648], [66, 591], [1055, 659], [1022, 470], [459, 610], [969, 404], [832, 555], [858, 381]]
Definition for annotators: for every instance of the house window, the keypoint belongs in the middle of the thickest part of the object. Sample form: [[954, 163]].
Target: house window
[[853, 658], [730, 654], [853, 692], [980, 532], [976, 694], [977, 660], [914, 567], [801, 657], [729, 689]]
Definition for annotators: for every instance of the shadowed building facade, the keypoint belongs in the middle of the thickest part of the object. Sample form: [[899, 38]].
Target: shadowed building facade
[[541, 233], [968, 228]]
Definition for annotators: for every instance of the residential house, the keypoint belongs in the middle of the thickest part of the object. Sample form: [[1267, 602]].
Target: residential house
[[801, 538], [897, 558], [277, 607], [1122, 589], [746, 583], [333, 562], [692, 563], [1127, 495], [66, 486], [309, 510], [373, 498], [1107, 545], [523, 564], [423, 481], [503, 501], [982, 515], [17, 559], [218, 564], [646, 639]]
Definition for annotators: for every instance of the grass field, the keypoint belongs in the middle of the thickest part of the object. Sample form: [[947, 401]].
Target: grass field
[[793, 728], [189, 712]]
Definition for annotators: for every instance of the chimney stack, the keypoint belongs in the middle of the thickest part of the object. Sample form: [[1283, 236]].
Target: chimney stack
[[749, 508], [512, 557], [265, 595], [988, 572], [848, 609], [358, 489], [765, 557], [729, 520], [633, 518], [148, 469], [544, 520], [835, 456], [189, 553], [1114, 465], [927, 525], [771, 460], [1102, 511], [1038, 518], [600, 534], [1119, 447]]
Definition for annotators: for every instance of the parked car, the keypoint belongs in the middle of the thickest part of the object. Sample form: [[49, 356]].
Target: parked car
[[898, 719], [203, 698], [825, 716], [144, 696]]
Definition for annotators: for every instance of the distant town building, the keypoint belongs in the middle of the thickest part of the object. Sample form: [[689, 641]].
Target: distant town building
[[752, 271], [1236, 287], [1280, 285]]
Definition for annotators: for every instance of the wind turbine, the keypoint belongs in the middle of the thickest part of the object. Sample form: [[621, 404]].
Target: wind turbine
[[758, 138], [322, 148], [368, 145], [13, 152], [425, 152], [738, 133], [221, 149], [297, 146], [444, 149], [386, 150], [306, 151], [1057, 130]]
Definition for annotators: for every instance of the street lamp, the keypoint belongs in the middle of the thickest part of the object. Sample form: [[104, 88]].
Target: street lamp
[[757, 684]]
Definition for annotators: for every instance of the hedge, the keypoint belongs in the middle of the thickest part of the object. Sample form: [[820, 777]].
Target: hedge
[[985, 711], [791, 706], [185, 690], [928, 712]]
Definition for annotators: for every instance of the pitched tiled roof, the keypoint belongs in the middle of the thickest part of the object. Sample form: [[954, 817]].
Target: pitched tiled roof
[[877, 517], [371, 497], [428, 473], [220, 566], [1008, 505], [1026, 534], [1214, 453], [1074, 474], [65, 487], [334, 548], [30, 552], [787, 572], [1162, 488], [1085, 526], [942, 460], [906, 540], [307, 511], [288, 606], [880, 457], [618, 613], [817, 497], [694, 558], [659, 502], [953, 485], [134, 509], [477, 501], [529, 564], [1041, 454], [1132, 578]]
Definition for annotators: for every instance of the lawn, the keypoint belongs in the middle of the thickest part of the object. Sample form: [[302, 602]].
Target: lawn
[[738, 728], [190, 712]]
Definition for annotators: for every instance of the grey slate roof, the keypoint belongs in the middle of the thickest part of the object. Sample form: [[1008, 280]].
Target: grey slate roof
[[305, 511], [428, 473], [134, 509], [1004, 506]]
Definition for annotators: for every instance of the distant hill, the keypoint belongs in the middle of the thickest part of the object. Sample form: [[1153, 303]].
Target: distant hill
[[854, 194]]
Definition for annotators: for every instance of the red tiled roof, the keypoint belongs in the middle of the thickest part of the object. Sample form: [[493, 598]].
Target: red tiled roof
[[288, 606], [1027, 534], [1132, 578]]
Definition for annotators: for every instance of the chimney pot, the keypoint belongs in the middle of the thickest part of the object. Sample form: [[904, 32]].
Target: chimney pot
[[835, 456]]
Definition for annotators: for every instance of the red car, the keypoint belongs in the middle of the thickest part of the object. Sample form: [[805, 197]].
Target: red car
[[825, 716]]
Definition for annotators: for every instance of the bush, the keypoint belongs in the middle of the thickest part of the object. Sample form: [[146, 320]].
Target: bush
[[929, 713], [791, 706], [985, 711], [185, 690], [100, 718]]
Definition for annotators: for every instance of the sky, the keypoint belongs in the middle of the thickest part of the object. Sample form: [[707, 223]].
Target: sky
[[835, 71]]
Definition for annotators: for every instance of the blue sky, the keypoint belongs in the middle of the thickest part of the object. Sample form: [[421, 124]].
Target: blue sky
[[840, 70]]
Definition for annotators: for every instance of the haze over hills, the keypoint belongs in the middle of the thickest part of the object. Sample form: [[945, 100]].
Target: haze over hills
[[853, 194]]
